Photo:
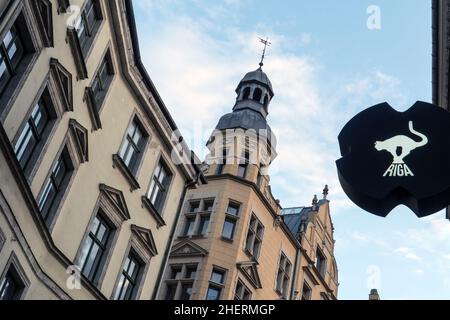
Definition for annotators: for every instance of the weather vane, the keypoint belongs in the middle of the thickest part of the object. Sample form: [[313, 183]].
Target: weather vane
[[266, 44]]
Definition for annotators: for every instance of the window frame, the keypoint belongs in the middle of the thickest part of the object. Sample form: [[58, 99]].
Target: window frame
[[243, 288], [217, 285], [321, 264], [164, 185], [178, 283], [255, 235], [13, 262], [45, 27], [21, 17], [95, 101], [134, 282], [303, 297], [65, 151], [197, 217], [232, 219], [284, 269]]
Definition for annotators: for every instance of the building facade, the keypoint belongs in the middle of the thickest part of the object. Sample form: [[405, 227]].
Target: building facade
[[90, 190], [234, 240]]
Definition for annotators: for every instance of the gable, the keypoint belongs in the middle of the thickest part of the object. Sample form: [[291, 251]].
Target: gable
[[80, 136], [116, 198], [145, 237], [187, 248], [250, 271]]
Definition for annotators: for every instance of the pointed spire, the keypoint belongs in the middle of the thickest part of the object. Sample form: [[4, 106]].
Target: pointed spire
[[325, 192]]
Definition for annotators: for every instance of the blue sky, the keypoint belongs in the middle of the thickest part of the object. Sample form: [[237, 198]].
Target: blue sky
[[325, 66]]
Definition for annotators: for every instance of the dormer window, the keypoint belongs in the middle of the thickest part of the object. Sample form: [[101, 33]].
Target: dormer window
[[257, 94]]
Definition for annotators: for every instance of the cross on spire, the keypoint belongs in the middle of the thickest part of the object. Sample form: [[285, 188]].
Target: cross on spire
[[266, 44]]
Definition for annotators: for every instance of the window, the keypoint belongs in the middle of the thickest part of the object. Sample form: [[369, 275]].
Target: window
[[159, 186], [216, 284], [246, 93], [321, 262], [102, 81], [11, 286], [254, 237], [197, 217], [257, 94], [11, 54], [231, 218], [45, 23], [87, 24], [306, 292], [33, 135], [222, 162], [242, 292], [243, 164], [194, 206], [266, 101], [283, 276], [180, 282], [128, 283], [95, 248], [189, 226], [133, 146], [55, 186]]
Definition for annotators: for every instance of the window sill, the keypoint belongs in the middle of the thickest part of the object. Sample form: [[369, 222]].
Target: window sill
[[118, 162], [226, 239], [149, 206]]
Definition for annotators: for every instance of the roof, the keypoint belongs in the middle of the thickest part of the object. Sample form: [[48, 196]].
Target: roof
[[150, 85], [294, 216], [259, 76]]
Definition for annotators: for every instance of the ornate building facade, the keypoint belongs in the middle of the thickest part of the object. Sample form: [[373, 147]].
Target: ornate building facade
[[234, 240], [90, 191]]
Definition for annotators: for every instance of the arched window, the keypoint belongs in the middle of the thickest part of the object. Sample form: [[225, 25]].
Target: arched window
[[246, 93], [266, 101], [257, 94]]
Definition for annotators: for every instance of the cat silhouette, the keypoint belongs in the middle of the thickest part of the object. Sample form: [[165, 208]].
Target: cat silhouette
[[401, 144]]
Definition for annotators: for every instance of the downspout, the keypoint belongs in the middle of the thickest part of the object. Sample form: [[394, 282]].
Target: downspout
[[297, 264], [172, 235], [296, 272]]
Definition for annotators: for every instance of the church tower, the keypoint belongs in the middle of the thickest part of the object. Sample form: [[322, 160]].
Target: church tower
[[232, 239]]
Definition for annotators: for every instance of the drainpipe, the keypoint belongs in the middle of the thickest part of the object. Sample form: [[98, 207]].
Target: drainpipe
[[297, 265], [172, 234]]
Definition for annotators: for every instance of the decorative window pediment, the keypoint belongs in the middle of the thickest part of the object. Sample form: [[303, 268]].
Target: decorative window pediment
[[64, 82], [116, 200], [187, 248], [80, 136], [250, 271], [145, 239]]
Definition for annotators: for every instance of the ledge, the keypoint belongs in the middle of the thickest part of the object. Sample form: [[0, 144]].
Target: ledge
[[118, 163], [149, 206]]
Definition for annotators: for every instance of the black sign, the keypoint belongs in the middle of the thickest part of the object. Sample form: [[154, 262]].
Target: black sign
[[391, 158]]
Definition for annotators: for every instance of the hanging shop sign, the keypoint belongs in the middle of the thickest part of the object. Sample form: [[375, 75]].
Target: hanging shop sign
[[391, 158]]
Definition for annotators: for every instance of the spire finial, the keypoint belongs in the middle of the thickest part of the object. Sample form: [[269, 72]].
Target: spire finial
[[266, 44], [325, 192], [314, 203]]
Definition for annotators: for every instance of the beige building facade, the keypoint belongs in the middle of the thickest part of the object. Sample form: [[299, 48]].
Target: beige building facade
[[90, 188], [234, 240]]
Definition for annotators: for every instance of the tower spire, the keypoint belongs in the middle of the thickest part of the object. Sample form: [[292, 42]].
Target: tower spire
[[266, 44]]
